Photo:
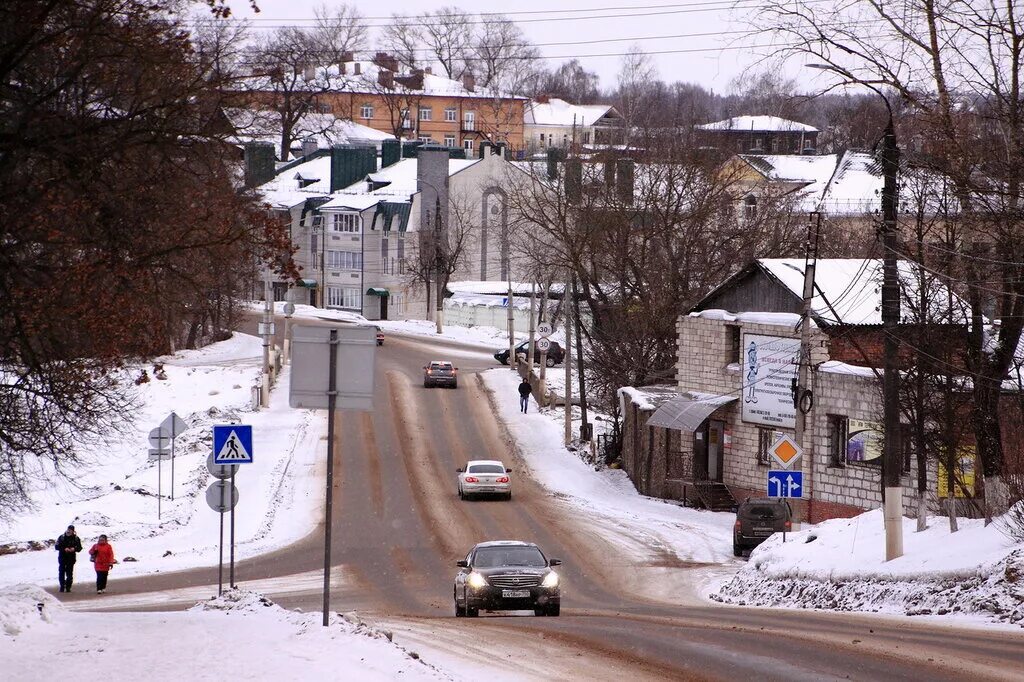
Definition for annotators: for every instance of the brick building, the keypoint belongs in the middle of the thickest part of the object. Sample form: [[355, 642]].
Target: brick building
[[708, 435]]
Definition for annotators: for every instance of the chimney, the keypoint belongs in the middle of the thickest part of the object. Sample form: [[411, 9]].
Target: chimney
[[429, 70], [482, 149], [432, 183], [347, 56], [309, 73], [500, 149], [609, 172], [542, 99], [386, 79], [343, 68], [624, 188], [469, 81], [309, 147], [357, 68], [350, 164], [573, 181], [554, 156], [260, 163], [390, 152]]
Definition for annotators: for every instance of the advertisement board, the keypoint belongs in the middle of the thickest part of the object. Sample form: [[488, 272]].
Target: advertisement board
[[963, 474], [865, 441], [768, 365]]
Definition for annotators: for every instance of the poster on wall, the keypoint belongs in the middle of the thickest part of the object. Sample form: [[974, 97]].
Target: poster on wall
[[768, 367], [865, 441], [963, 474]]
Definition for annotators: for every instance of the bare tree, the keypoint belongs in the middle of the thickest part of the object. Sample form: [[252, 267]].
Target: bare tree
[[448, 37], [292, 68], [502, 57], [956, 67], [403, 38]]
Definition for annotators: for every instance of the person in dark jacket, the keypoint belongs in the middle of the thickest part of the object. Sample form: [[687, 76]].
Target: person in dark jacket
[[68, 546], [524, 395]]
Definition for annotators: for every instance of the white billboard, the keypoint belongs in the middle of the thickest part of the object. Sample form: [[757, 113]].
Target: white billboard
[[768, 365]]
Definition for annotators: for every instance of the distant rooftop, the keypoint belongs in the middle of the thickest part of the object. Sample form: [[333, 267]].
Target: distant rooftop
[[558, 112], [758, 124]]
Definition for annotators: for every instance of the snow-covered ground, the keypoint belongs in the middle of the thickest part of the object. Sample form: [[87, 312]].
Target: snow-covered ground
[[116, 494], [840, 564], [239, 636]]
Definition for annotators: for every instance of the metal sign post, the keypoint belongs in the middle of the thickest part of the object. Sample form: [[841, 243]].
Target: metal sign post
[[174, 426], [348, 348], [157, 438], [216, 497]]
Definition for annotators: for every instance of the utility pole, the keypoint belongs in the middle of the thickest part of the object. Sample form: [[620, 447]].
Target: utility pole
[[801, 396], [440, 256], [530, 350], [567, 311], [268, 339], [542, 390], [511, 329], [584, 424], [891, 454]]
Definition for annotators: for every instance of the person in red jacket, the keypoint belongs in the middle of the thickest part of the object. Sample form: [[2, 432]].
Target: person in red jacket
[[102, 556]]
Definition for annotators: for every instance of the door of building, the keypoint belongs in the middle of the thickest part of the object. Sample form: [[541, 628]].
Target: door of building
[[383, 307], [715, 437]]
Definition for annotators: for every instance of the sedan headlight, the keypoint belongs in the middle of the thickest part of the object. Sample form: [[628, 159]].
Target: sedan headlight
[[476, 581], [550, 580]]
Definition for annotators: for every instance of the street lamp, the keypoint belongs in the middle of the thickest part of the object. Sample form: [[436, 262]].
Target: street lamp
[[891, 456]]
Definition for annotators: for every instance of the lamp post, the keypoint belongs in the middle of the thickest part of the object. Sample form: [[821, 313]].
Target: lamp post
[[891, 453]]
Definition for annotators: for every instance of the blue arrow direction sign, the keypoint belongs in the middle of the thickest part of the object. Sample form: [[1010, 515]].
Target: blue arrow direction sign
[[782, 483], [232, 444]]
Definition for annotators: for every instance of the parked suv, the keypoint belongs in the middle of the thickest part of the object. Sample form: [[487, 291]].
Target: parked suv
[[554, 357], [757, 519]]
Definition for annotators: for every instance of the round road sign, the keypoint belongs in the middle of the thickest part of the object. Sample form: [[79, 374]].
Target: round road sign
[[220, 471], [159, 438], [222, 496], [544, 329], [289, 308], [543, 345]]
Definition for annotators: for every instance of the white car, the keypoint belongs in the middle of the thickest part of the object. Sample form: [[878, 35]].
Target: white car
[[485, 477]]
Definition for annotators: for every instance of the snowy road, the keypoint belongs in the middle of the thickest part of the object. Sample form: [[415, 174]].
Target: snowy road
[[629, 606]]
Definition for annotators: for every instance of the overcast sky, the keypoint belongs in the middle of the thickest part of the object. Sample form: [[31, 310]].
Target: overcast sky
[[710, 65]]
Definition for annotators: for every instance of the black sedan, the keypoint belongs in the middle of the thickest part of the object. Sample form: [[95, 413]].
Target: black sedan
[[507, 576]]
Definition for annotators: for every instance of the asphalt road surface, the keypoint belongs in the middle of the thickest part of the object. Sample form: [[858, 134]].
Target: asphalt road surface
[[399, 527]]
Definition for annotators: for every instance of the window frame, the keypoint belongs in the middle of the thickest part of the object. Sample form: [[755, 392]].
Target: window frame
[[366, 111], [451, 115], [765, 437], [349, 222], [426, 114], [836, 454], [340, 259]]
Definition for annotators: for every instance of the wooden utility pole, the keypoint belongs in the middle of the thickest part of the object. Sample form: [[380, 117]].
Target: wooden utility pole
[[891, 455]]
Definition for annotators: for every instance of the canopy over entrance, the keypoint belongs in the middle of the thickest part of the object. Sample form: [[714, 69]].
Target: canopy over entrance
[[688, 411]]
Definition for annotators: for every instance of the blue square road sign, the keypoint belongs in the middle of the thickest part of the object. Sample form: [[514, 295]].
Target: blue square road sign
[[784, 483], [232, 444]]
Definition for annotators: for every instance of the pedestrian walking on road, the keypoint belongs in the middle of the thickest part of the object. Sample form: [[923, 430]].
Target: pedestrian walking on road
[[68, 546], [524, 395], [102, 556]]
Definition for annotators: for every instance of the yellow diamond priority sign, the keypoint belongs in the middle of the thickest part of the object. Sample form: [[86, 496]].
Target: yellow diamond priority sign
[[785, 451]]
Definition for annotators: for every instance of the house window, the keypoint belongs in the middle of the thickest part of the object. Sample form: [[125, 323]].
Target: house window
[[734, 344], [469, 122], [586, 137], [467, 144], [542, 138], [400, 253], [765, 438], [749, 207], [314, 243], [451, 115], [345, 222], [403, 116], [344, 260], [838, 436], [775, 145], [758, 144], [366, 111], [384, 252], [449, 140], [425, 139], [426, 114], [344, 297]]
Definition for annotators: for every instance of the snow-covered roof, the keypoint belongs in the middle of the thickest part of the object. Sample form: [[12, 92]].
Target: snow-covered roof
[[401, 185], [283, 191], [849, 290], [856, 186], [558, 112], [367, 82], [813, 172], [758, 124]]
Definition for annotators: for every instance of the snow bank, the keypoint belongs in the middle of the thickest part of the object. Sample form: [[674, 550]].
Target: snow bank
[[839, 565], [116, 493], [241, 632]]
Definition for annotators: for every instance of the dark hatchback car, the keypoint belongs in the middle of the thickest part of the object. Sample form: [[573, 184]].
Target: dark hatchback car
[[555, 356], [507, 576], [756, 520], [440, 373]]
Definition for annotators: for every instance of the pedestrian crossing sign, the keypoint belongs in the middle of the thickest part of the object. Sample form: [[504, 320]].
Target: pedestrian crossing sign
[[232, 444]]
